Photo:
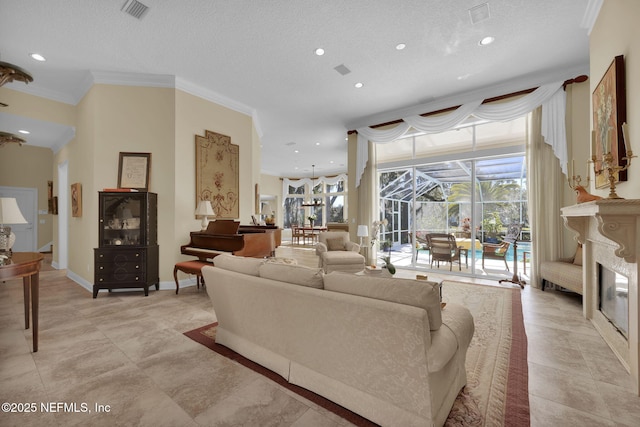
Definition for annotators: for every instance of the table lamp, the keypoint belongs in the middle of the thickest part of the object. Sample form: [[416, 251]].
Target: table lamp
[[363, 231], [9, 214], [205, 210]]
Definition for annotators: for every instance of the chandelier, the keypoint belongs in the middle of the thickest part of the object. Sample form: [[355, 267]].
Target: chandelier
[[10, 73], [6, 138], [313, 202]]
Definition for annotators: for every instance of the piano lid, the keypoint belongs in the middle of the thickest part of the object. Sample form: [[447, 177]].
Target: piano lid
[[223, 226]]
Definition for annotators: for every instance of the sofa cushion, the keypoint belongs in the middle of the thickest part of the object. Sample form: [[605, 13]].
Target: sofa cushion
[[295, 274], [417, 293], [335, 244], [239, 264]]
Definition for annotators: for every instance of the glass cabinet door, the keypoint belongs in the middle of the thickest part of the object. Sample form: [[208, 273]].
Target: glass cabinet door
[[120, 219]]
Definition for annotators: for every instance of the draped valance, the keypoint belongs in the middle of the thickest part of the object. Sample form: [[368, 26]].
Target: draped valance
[[551, 96], [297, 183]]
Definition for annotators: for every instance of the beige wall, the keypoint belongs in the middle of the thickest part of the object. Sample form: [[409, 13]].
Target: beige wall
[[112, 119], [30, 167], [193, 117], [616, 32]]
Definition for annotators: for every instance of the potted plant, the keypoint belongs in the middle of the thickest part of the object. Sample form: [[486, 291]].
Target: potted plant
[[490, 227], [311, 219]]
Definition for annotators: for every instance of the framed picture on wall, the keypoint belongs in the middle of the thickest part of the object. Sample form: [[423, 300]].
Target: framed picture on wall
[[134, 171], [76, 199], [609, 113]]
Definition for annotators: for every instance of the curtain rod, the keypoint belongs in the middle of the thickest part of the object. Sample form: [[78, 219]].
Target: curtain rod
[[579, 79]]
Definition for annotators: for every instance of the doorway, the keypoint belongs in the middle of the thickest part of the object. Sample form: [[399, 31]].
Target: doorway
[[26, 234]]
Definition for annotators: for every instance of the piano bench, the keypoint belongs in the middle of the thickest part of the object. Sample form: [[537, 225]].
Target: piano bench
[[190, 267]]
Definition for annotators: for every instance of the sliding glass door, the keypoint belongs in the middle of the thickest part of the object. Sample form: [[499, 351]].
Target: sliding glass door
[[473, 193]]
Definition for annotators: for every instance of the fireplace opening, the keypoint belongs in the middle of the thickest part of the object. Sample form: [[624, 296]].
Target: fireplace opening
[[614, 298]]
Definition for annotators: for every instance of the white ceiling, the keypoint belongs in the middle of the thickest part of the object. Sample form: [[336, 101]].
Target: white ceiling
[[258, 57]]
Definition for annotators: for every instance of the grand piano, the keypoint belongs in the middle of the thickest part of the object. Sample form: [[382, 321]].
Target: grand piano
[[228, 236]]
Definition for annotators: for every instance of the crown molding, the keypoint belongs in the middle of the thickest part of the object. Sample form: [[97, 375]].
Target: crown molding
[[591, 14], [64, 139], [212, 96]]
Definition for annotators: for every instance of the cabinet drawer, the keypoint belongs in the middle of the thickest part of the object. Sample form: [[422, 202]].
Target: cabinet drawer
[[120, 275], [127, 267], [121, 257]]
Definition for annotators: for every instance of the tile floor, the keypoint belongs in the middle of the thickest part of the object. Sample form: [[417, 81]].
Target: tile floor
[[127, 353]]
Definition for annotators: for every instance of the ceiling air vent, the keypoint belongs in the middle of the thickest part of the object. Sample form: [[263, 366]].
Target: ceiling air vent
[[479, 13], [134, 8], [342, 69]]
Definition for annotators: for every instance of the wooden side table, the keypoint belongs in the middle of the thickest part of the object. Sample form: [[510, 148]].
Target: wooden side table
[[27, 266]]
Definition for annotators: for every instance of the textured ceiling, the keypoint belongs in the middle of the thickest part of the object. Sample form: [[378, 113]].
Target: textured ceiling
[[258, 57]]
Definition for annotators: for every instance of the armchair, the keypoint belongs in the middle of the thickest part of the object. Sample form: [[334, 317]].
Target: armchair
[[337, 253], [495, 251], [443, 247]]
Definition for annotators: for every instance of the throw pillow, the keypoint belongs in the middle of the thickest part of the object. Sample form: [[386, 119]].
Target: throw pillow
[[295, 274], [335, 244], [417, 293], [577, 260], [238, 264]]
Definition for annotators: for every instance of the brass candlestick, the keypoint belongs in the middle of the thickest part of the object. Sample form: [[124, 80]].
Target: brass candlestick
[[609, 165]]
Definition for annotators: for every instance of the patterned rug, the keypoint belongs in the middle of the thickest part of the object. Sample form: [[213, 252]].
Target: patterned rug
[[496, 393]]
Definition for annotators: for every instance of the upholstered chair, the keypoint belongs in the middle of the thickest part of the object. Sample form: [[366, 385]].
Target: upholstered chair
[[337, 253]]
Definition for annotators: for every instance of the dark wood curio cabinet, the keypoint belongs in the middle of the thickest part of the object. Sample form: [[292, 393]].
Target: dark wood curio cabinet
[[128, 255]]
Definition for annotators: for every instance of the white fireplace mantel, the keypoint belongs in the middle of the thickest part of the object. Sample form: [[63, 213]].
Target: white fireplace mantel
[[617, 219], [608, 232]]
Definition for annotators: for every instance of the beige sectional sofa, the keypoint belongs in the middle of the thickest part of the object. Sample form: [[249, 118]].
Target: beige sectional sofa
[[381, 347]]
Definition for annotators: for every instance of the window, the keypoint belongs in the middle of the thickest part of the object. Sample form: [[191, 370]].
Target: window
[[328, 192], [470, 182]]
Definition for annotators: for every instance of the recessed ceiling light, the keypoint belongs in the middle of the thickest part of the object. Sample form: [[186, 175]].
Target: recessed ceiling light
[[25, 132], [487, 40], [37, 57], [296, 151], [331, 161], [317, 143], [319, 51], [358, 85], [400, 46]]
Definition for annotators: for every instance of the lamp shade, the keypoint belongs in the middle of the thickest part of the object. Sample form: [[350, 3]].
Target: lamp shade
[[363, 231], [205, 208], [10, 212]]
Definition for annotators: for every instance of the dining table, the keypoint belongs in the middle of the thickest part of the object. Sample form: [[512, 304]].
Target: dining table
[[311, 233]]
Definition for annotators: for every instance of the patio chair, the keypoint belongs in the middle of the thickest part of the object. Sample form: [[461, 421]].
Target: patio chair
[[421, 244], [496, 251], [443, 247]]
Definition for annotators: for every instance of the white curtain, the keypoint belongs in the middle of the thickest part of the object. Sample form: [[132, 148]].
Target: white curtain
[[552, 120], [545, 182]]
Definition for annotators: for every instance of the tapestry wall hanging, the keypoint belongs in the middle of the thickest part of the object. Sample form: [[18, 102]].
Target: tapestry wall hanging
[[609, 113], [217, 174]]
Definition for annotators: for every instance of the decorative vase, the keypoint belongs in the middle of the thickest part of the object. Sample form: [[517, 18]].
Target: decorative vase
[[311, 223]]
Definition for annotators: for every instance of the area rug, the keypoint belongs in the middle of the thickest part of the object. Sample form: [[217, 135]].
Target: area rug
[[496, 393]]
